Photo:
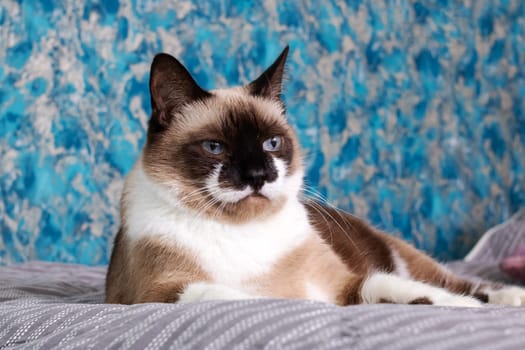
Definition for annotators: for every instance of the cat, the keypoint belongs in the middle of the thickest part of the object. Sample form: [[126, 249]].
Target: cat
[[213, 209]]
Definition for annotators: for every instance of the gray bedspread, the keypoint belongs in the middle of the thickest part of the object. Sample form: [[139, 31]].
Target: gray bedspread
[[44, 305], [47, 305]]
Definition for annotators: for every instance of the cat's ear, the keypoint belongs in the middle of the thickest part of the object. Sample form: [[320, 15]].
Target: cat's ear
[[171, 87], [269, 84]]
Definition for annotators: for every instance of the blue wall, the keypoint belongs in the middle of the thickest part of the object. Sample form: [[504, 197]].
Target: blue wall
[[411, 112]]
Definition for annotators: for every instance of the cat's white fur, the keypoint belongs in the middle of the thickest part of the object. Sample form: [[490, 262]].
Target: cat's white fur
[[508, 295], [316, 292], [213, 291], [399, 263]]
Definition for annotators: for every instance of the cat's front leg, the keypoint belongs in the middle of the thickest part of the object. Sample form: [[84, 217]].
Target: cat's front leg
[[211, 291], [389, 288]]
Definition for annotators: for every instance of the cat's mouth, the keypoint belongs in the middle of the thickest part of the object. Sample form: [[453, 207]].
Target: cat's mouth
[[244, 196], [254, 196], [257, 195]]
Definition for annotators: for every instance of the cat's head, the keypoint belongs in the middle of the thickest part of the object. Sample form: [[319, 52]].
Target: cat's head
[[227, 153]]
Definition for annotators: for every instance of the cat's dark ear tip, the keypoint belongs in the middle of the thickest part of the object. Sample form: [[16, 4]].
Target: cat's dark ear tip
[[161, 59], [286, 50], [283, 56]]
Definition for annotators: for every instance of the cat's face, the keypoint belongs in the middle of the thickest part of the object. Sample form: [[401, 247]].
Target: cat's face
[[227, 153]]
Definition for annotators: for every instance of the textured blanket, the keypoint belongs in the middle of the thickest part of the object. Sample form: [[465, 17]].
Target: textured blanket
[[45, 306]]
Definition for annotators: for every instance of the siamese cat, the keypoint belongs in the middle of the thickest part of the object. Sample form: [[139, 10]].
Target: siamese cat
[[213, 209]]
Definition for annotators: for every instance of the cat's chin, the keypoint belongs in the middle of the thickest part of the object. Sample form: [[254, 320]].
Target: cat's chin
[[253, 203]]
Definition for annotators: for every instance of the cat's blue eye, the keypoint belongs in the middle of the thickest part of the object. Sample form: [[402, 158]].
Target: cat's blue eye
[[213, 147], [272, 144]]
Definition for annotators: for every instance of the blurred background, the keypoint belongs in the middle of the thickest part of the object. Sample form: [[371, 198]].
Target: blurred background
[[411, 113]]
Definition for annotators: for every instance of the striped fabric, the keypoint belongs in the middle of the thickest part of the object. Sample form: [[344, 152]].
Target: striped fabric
[[48, 306]]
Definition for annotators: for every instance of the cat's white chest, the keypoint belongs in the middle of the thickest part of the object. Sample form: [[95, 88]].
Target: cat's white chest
[[229, 253], [232, 254]]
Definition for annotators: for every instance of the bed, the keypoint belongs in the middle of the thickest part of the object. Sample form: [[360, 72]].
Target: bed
[[51, 305]]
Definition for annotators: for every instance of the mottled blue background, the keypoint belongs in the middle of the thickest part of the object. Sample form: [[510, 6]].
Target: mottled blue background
[[411, 112]]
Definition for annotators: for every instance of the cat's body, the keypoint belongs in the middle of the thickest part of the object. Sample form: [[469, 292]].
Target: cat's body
[[212, 210]]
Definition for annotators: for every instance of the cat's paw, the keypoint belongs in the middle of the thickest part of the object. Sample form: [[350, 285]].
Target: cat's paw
[[209, 291], [456, 301], [381, 287], [510, 295]]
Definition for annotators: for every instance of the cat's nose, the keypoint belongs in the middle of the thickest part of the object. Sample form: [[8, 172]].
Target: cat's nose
[[256, 178]]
